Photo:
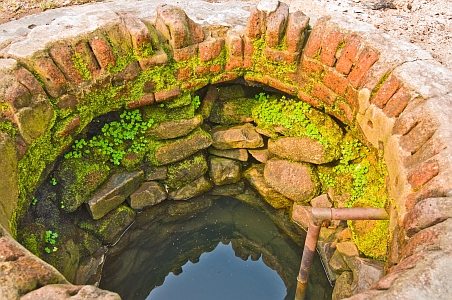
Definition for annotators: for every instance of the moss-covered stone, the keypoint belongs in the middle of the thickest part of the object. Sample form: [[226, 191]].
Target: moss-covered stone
[[232, 111], [183, 172], [8, 183]]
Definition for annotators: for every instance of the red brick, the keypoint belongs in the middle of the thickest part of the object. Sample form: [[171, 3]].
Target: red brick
[[233, 64], [88, 57], [281, 86], [427, 151], [62, 56], [312, 67], [347, 111], [329, 48], [417, 136], [71, 126], [397, 103], [159, 58], [225, 77], [194, 85], [201, 71], [129, 73], [426, 213], [351, 96], [54, 81], [167, 95], [251, 77], [235, 45], [67, 101], [248, 63], [296, 28], [210, 49], [348, 55], [29, 81], [335, 82], [276, 25], [281, 56], [387, 89], [307, 99], [366, 59], [215, 69], [143, 101], [103, 52], [255, 24], [424, 240], [248, 47], [139, 32], [431, 189], [149, 86], [323, 94], [18, 95], [422, 173], [183, 73], [186, 53], [315, 40]]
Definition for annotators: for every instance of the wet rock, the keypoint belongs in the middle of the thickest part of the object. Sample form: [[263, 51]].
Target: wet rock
[[302, 149], [77, 179], [182, 148], [89, 269], [175, 129], [237, 154], [261, 155], [183, 172], [114, 192], [243, 136], [195, 188], [158, 173], [228, 189], [255, 176], [365, 273], [67, 258], [69, 291], [111, 226], [294, 180], [149, 194], [22, 272], [224, 171], [184, 207], [232, 111], [343, 286]]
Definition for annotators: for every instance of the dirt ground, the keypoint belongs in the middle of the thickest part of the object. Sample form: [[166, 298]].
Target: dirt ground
[[426, 23]]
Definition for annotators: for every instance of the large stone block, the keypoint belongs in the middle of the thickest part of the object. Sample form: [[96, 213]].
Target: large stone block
[[242, 136], [149, 194]]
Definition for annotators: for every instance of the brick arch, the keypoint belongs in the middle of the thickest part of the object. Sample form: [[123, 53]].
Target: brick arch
[[395, 93]]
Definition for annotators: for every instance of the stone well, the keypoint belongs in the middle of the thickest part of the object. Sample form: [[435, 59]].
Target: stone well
[[61, 69]]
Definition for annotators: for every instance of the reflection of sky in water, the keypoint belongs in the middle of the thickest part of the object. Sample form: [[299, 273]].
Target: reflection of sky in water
[[220, 275]]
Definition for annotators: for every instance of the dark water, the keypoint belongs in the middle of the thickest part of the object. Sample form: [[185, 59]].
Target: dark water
[[207, 249]]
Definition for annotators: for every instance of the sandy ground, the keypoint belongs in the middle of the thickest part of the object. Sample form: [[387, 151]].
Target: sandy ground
[[426, 23]]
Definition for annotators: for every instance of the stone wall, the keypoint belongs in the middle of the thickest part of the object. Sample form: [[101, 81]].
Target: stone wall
[[393, 92]]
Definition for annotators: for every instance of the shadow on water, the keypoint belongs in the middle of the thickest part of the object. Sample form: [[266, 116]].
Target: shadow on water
[[179, 250]]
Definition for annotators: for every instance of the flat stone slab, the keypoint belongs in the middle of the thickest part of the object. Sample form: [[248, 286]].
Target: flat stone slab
[[114, 192]]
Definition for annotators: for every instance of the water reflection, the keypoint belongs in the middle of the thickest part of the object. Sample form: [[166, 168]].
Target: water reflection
[[164, 238]]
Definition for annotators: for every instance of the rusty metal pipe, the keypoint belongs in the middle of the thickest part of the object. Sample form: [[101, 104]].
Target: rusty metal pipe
[[317, 216]]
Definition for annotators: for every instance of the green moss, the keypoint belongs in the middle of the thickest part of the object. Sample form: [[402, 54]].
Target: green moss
[[340, 46], [81, 66], [183, 172], [8, 128], [374, 242]]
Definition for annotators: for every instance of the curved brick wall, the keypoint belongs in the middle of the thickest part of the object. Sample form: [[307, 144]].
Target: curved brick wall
[[393, 92]]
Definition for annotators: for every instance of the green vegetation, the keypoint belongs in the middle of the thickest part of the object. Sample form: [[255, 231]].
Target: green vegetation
[[50, 239], [81, 66], [8, 128], [53, 181]]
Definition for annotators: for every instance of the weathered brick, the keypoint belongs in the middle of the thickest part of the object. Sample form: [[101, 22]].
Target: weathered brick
[[17, 95], [103, 52], [177, 27], [225, 77], [233, 64], [397, 103], [323, 94], [307, 99], [329, 46], [210, 49], [141, 38], [351, 96], [54, 81], [348, 55], [387, 89], [366, 59], [201, 71], [119, 39], [129, 73], [215, 69], [248, 47], [422, 173], [87, 56], [312, 67], [281, 86], [143, 101], [281, 56], [73, 124], [335, 82], [424, 240], [433, 188], [296, 31], [427, 213], [186, 53], [159, 58], [149, 86], [428, 150], [315, 39], [29, 81], [63, 55], [194, 85], [255, 23], [234, 43], [67, 101], [183, 73], [167, 95], [276, 25], [347, 111], [417, 136]]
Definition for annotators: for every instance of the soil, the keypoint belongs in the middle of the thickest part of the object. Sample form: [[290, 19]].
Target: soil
[[426, 23]]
